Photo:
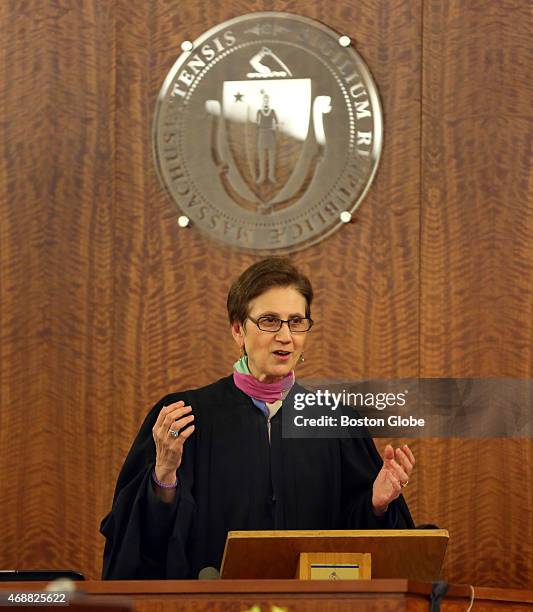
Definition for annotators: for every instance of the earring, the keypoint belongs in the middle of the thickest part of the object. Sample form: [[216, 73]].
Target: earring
[[243, 352], [302, 358]]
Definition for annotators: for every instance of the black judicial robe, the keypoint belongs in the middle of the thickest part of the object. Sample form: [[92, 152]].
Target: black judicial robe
[[232, 478]]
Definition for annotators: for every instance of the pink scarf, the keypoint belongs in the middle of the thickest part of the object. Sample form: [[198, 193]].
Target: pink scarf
[[264, 392]]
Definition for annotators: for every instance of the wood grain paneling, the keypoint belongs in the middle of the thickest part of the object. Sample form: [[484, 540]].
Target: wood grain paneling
[[23, 329], [56, 288], [105, 305], [476, 273]]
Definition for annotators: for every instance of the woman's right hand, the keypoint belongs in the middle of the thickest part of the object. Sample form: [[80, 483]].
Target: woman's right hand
[[169, 450]]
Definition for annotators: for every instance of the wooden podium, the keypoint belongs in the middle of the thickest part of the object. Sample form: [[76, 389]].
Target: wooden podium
[[416, 554]]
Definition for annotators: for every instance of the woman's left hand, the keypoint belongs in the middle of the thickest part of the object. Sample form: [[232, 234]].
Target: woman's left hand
[[393, 476]]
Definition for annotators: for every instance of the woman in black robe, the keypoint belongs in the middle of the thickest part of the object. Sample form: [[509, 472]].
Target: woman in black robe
[[213, 460]]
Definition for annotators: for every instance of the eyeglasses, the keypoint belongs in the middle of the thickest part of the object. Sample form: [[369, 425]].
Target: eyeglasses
[[273, 324]]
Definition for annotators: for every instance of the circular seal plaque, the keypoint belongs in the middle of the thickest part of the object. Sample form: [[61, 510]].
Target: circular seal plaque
[[266, 130]]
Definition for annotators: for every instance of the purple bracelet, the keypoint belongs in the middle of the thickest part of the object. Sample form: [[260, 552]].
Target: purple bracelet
[[161, 484]]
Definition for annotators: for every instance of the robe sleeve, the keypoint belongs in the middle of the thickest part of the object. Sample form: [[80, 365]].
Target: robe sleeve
[[361, 463], [140, 528]]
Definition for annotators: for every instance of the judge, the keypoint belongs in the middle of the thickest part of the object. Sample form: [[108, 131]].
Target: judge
[[212, 460]]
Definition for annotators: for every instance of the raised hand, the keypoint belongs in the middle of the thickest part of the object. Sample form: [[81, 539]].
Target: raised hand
[[393, 476], [169, 437]]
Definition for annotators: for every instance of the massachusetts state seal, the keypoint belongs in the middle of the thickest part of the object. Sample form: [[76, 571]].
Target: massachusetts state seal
[[266, 130]]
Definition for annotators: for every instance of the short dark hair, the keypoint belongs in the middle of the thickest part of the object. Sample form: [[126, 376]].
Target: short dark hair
[[262, 276]]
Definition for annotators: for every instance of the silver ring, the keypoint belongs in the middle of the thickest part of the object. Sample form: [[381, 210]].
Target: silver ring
[[173, 433]]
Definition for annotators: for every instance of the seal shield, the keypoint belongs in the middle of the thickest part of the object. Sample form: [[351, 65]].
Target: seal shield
[[266, 131]]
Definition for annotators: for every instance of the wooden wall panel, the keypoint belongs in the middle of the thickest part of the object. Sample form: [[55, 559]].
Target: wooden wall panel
[[56, 288], [476, 273], [23, 174], [105, 305]]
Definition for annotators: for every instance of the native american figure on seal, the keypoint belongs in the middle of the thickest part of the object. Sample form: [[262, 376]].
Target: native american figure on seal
[[267, 124]]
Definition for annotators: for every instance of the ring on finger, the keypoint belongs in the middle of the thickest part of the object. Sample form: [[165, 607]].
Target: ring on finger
[[173, 433], [404, 484]]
